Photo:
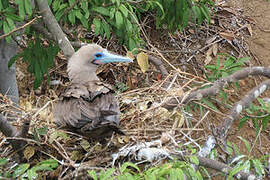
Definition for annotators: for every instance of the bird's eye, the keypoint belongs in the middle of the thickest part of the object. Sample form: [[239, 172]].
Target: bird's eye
[[98, 55]]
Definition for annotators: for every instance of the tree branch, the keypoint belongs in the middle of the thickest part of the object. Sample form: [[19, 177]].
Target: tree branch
[[39, 28], [21, 27], [217, 86], [221, 131], [54, 28]]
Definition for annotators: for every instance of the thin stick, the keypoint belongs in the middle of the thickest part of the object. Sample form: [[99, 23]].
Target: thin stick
[[21, 27]]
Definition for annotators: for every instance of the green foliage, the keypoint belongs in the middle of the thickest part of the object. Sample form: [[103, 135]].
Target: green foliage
[[217, 71], [174, 170], [25, 171], [8, 15], [245, 163], [259, 114], [178, 12], [220, 70], [107, 16], [122, 17], [39, 59]]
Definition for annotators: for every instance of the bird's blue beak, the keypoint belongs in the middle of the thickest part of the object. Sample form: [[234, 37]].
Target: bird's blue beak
[[106, 57]]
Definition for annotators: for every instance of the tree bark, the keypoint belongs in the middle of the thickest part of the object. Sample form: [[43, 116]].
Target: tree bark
[[54, 28], [8, 83]]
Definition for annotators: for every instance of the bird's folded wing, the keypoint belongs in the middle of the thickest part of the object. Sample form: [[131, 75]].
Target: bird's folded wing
[[83, 104]]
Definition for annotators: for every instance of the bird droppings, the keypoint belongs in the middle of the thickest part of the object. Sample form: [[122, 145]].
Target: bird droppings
[[262, 88], [239, 108]]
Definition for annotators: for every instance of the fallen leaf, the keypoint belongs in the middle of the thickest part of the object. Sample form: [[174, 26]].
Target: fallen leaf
[[249, 29], [207, 60], [227, 36], [159, 77], [85, 145], [215, 49], [142, 59], [28, 152], [130, 55], [209, 51]]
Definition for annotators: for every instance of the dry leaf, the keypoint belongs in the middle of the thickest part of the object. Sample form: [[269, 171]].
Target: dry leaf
[[208, 57], [207, 60], [130, 55], [142, 59], [120, 140], [209, 51], [85, 145], [249, 29], [227, 36], [28, 152], [215, 49]]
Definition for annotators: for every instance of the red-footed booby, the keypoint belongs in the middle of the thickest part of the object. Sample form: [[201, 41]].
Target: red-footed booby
[[89, 106]]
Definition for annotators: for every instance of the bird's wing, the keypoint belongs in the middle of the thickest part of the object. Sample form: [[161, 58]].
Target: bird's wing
[[87, 106]]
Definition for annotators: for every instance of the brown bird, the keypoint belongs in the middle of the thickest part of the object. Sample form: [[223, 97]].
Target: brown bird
[[89, 106]]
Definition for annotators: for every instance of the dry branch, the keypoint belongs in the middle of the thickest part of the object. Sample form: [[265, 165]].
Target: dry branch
[[159, 65], [221, 167], [21, 27], [217, 86], [54, 28], [222, 130], [232, 115]]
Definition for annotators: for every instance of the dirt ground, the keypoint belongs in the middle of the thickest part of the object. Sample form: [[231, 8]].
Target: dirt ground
[[258, 11], [259, 43]]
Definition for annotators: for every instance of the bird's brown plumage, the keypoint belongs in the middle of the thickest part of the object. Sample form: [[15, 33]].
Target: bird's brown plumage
[[87, 106]]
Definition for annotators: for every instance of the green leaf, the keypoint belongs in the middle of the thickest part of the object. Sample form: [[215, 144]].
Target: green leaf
[[112, 13], [71, 17], [28, 7], [50, 163], [97, 24], [205, 12], [43, 131], [57, 135], [1, 5], [245, 142], [129, 26], [13, 59], [13, 16], [124, 10], [20, 170], [107, 174], [198, 13], [3, 161], [31, 174], [10, 23], [119, 19], [92, 174], [194, 160], [21, 9], [101, 10], [107, 30], [176, 174], [128, 164], [259, 168], [131, 44], [6, 29], [236, 170], [71, 2], [84, 22]]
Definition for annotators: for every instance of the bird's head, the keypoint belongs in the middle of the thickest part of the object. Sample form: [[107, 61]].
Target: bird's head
[[83, 63]]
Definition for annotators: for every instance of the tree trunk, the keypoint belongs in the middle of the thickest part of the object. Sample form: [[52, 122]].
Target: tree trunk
[[8, 83]]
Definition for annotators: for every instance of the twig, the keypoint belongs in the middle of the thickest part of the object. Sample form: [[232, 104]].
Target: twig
[[213, 164], [54, 28], [21, 27]]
